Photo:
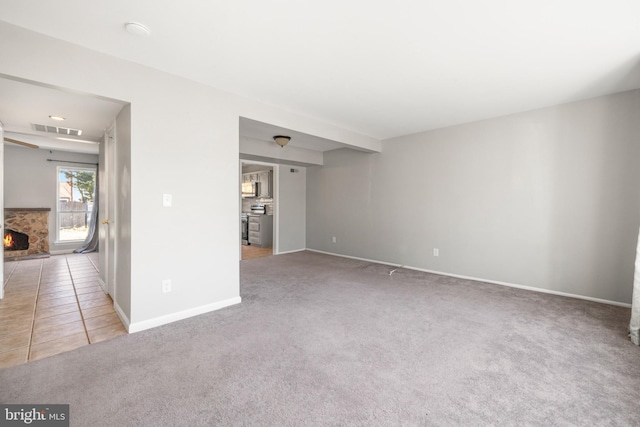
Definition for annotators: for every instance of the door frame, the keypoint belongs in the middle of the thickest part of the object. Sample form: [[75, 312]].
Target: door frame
[[275, 195], [107, 217]]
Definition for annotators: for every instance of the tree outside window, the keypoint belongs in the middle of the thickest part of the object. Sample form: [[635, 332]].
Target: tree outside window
[[75, 201]]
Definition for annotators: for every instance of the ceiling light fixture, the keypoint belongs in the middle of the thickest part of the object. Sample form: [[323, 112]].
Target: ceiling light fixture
[[137, 29], [282, 140], [59, 118]]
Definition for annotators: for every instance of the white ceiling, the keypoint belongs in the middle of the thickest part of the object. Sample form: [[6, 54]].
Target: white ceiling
[[23, 104], [382, 68], [265, 132]]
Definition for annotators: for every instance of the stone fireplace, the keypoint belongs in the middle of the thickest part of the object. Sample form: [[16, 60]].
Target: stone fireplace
[[26, 232]]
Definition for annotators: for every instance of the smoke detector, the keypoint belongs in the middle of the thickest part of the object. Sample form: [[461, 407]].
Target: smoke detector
[[137, 29]]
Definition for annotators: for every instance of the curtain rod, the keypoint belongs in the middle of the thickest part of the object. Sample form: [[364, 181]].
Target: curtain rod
[[68, 161]]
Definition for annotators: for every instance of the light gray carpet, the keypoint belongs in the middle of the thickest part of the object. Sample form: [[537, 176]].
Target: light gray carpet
[[326, 341]]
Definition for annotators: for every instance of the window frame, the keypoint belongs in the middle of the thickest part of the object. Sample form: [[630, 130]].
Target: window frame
[[59, 170]]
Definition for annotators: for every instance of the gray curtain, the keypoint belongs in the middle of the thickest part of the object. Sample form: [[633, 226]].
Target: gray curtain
[[91, 243], [634, 324]]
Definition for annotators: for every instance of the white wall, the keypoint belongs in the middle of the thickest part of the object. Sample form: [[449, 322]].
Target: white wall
[[292, 208], [31, 182], [183, 141], [547, 199]]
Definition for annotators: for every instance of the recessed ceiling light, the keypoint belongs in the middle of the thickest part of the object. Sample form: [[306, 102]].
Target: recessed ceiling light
[[59, 118], [137, 29]]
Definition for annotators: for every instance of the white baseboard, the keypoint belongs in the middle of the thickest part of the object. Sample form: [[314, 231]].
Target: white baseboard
[[103, 285], [62, 251], [291, 252], [357, 258], [123, 317], [478, 279], [173, 317]]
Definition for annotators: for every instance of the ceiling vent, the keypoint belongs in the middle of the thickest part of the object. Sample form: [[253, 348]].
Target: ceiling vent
[[57, 129]]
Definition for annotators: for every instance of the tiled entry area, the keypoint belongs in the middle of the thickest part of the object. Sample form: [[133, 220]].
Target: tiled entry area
[[53, 305]]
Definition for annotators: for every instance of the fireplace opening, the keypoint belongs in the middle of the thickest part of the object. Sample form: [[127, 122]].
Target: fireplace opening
[[15, 241]]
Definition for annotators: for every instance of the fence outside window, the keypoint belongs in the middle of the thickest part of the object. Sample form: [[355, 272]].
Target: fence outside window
[[75, 202]]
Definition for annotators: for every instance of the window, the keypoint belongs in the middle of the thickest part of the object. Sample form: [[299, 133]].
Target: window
[[75, 202]]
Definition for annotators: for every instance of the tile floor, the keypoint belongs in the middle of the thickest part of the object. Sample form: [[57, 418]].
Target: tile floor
[[53, 305], [249, 251]]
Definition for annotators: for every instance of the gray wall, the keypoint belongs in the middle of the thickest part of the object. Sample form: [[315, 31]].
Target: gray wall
[[123, 212], [292, 205], [547, 199], [30, 181]]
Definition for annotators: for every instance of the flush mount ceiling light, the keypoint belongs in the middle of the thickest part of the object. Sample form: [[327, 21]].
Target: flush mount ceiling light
[[137, 29], [282, 140], [59, 118]]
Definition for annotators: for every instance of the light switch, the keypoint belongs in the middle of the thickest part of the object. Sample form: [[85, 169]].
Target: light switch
[[167, 200]]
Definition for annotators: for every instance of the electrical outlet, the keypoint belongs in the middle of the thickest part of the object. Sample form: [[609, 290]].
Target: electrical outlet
[[167, 200], [333, 239], [436, 252], [166, 286]]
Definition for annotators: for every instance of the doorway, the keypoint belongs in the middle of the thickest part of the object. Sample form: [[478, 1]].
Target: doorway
[[258, 209], [54, 303]]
